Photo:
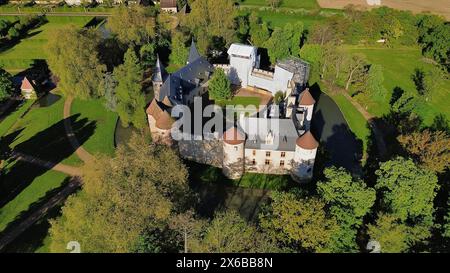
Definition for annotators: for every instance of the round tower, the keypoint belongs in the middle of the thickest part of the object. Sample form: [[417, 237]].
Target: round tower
[[233, 153], [307, 102], [304, 157]]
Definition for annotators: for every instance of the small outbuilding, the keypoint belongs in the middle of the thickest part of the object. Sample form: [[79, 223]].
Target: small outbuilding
[[169, 6], [28, 88]]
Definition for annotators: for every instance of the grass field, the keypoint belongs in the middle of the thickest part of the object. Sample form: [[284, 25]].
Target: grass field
[[355, 120], [398, 66], [41, 133], [30, 48], [244, 101], [102, 141], [11, 8], [8, 121], [33, 193], [291, 4]]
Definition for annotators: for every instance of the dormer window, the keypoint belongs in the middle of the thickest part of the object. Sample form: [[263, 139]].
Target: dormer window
[[269, 138]]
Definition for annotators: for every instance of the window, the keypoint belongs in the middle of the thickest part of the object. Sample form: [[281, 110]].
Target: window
[[254, 161], [254, 152], [309, 170], [267, 162], [283, 154], [281, 163], [235, 148], [268, 154]]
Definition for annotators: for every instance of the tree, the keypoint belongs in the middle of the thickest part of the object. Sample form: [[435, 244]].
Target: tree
[[73, 57], [298, 224], [446, 231], [210, 21], [6, 85], [278, 46], [349, 200], [132, 25], [391, 233], [147, 55], [279, 97], [219, 86], [374, 83], [259, 31], [408, 191], [179, 52], [130, 98], [109, 85], [429, 149], [229, 233], [356, 69], [142, 186]]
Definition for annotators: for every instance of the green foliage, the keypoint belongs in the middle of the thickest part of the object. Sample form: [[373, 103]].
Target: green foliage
[[72, 56], [259, 31], [298, 224], [180, 52], [284, 42], [391, 233], [130, 98], [408, 191], [279, 97], [349, 200], [148, 55], [132, 25], [6, 85], [108, 87], [374, 83], [446, 231], [212, 23], [229, 233], [219, 87], [122, 197]]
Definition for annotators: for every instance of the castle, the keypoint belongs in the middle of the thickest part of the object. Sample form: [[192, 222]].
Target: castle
[[277, 140]]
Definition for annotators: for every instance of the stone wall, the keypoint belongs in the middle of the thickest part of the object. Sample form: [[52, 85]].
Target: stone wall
[[202, 151]]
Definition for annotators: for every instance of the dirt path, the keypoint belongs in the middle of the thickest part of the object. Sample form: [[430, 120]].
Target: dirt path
[[56, 200], [381, 145], [59, 167], [79, 150]]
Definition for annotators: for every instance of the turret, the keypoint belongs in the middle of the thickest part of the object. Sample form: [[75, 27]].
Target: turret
[[304, 157], [158, 78], [193, 53], [233, 153], [306, 104]]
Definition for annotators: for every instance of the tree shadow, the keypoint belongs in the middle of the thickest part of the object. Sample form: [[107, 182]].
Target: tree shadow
[[51, 145]]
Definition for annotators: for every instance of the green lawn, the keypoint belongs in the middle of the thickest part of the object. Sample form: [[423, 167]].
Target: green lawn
[[30, 48], [33, 193], [12, 117], [292, 4], [398, 66], [354, 118], [37, 8], [103, 139], [41, 133]]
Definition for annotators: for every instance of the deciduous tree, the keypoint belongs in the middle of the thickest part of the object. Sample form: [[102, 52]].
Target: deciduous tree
[[6, 85]]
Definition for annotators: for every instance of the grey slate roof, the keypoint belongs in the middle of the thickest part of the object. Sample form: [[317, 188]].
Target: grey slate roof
[[186, 80], [159, 74], [299, 68], [193, 53], [283, 131]]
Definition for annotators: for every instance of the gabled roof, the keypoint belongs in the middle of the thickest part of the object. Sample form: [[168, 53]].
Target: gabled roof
[[159, 73], [307, 141], [187, 79], [193, 53], [306, 98], [168, 4], [26, 84]]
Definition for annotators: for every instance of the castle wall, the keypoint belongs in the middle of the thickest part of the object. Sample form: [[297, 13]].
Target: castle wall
[[202, 151], [255, 161]]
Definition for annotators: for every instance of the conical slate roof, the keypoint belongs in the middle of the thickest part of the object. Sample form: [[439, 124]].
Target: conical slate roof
[[159, 73], [193, 53], [306, 98], [233, 136], [307, 141]]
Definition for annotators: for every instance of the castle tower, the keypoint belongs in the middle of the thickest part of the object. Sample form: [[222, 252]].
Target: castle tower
[[306, 104], [304, 157], [158, 78], [233, 153], [193, 53]]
